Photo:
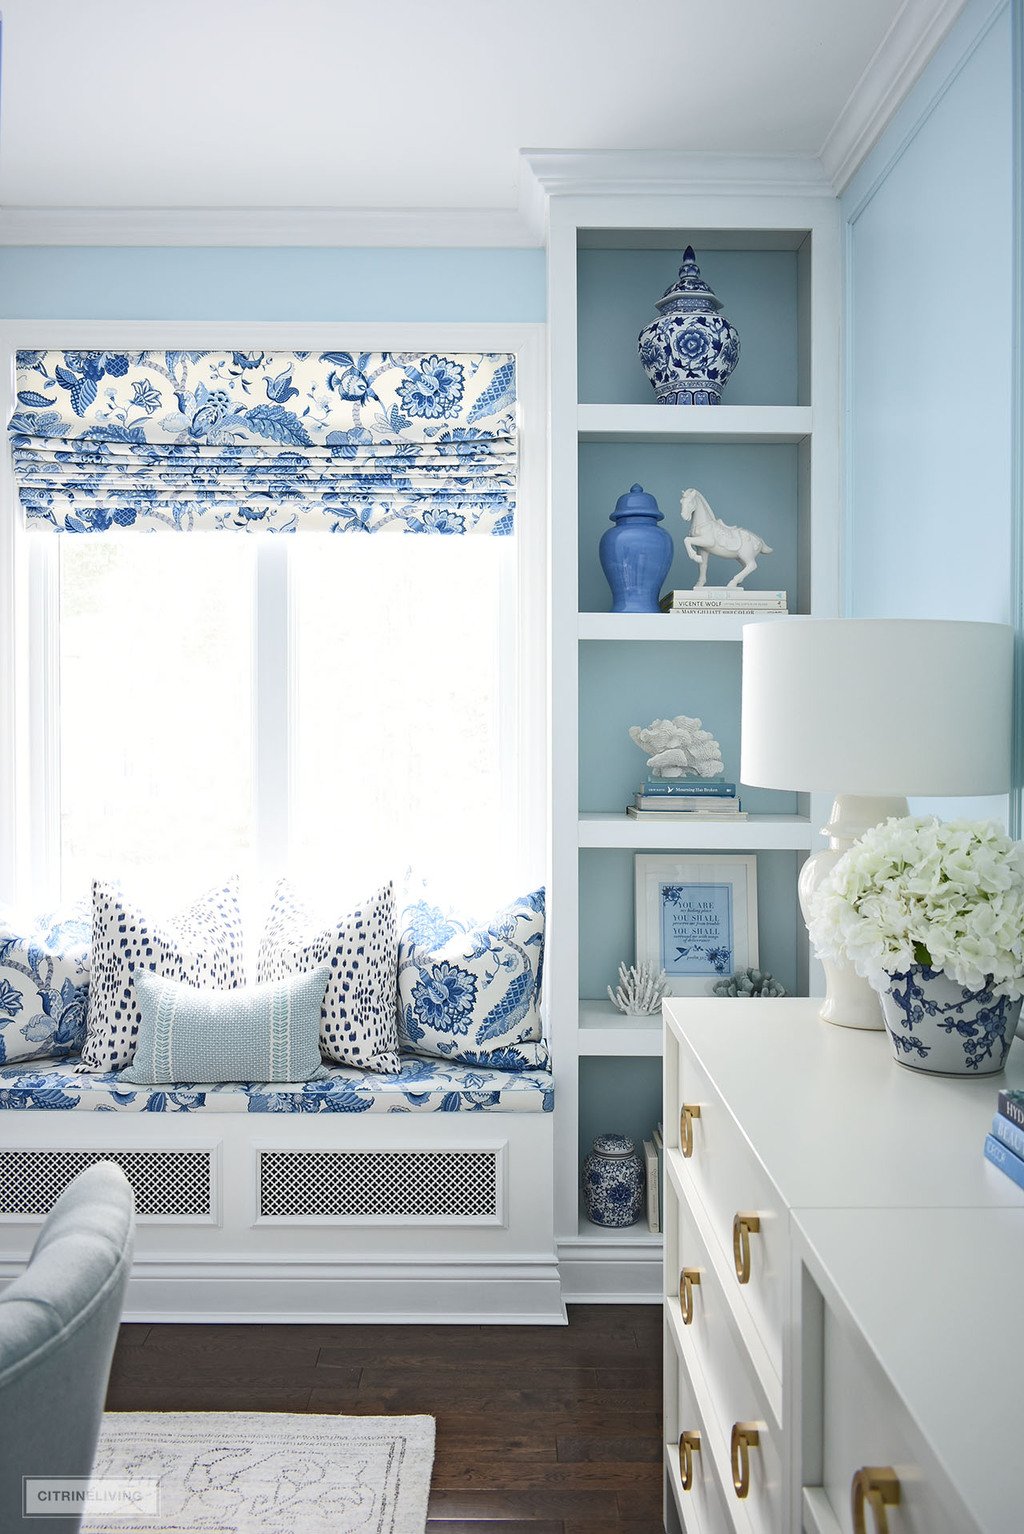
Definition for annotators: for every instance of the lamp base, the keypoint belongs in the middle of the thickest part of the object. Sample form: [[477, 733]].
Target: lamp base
[[849, 1000]]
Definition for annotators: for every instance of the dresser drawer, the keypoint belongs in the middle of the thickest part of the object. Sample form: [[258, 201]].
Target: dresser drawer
[[865, 1425], [701, 1508], [732, 1186], [736, 1387]]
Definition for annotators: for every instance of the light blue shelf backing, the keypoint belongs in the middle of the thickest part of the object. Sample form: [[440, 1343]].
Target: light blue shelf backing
[[754, 485], [620, 1096], [617, 292], [627, 684], [607, 922]]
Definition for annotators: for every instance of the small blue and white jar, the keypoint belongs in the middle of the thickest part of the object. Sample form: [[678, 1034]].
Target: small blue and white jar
[[614, 1183], [690, 350]]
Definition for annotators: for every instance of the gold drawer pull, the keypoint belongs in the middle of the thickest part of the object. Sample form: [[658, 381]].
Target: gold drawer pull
[[743, 1227], [877, 1487], [689, 1445], [690, 1112], [745, 1436], [687, 1278]]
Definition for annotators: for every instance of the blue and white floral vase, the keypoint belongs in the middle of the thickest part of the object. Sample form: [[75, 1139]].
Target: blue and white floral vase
[[938, 1026], [614, 1182], [691, 349], [636, 553]]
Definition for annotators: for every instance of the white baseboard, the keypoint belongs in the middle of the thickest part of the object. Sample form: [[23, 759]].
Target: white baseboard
[[404, 1292], [610, 1274]]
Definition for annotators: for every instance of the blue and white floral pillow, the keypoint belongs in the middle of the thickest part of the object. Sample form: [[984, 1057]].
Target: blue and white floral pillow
[[44, 985], [470, 991]]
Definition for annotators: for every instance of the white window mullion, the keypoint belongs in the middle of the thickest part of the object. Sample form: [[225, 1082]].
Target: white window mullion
[[40, 862], [273, 693]]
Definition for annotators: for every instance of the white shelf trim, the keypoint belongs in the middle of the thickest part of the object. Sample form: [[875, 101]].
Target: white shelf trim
[[604, 1030], [694, 423], [760, 832], [673, 627]]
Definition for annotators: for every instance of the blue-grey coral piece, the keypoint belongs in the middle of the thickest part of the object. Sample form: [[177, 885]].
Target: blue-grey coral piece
[[749, 982]]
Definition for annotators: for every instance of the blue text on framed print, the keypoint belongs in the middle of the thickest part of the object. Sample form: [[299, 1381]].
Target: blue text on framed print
[[696, 917], [266, 441], [696, 929]]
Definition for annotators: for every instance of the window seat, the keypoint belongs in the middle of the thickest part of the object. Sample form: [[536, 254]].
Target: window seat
[[426, 1195], [423, 1086]]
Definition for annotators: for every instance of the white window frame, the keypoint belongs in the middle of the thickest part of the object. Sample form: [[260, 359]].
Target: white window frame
[[29, 675]]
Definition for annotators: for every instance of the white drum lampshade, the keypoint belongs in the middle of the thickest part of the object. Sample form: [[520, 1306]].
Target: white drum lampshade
[[876, 708]]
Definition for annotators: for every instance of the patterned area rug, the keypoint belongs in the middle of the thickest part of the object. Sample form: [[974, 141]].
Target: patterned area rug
[[263, 1473]]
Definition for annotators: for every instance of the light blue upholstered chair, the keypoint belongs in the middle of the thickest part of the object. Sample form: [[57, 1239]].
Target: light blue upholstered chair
[[58, 1326]]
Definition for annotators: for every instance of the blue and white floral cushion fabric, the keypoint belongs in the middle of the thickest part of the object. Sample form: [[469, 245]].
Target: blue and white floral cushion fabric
[[421, 1086], [202, 945], [44, 984], [471, 991], [360, 950]]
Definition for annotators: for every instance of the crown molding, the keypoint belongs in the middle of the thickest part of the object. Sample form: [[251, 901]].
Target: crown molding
[[892, 71], [582, 172], [325, 227]]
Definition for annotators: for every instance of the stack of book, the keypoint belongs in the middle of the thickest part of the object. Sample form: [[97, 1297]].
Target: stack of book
[[1004, 1147], [725, 599], [672, 798], [654, 1156]]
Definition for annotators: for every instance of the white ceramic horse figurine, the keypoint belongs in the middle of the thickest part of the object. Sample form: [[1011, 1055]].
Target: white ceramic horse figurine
[[708, 535]]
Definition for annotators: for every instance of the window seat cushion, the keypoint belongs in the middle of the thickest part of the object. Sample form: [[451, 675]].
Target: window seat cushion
[[421, 1086]]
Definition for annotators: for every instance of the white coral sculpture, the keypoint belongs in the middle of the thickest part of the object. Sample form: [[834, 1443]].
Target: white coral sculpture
[[679, 748], [639, 991]]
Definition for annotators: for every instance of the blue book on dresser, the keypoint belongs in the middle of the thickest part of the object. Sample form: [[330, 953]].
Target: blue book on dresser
[[1011, 1135], [1001, 1156]]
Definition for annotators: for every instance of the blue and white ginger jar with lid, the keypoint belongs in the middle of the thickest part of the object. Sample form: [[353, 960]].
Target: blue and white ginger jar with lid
[[614, 1182], [690, 350]]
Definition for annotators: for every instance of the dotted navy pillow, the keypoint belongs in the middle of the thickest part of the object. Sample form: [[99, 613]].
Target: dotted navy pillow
[[358, 1022], [202, 945], [470, 991], [44, 984]]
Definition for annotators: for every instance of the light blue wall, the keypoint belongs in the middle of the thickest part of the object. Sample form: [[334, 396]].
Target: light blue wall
[[930, 257], [933, 487], [292, 283]]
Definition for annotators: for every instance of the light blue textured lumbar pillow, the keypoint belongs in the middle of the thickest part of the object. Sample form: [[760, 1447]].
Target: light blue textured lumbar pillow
[[254, 1033]]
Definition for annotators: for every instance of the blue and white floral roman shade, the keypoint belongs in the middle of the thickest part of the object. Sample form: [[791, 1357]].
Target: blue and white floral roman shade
[[266, 441]]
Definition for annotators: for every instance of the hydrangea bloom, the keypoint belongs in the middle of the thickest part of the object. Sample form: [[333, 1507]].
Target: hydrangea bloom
[[918, 890]]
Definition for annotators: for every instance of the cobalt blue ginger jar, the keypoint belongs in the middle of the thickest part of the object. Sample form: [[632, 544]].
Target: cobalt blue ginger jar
[[613, 1182], [690, 350], [636, 553]]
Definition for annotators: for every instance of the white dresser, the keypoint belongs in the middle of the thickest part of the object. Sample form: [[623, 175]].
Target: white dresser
[[844, 1278]]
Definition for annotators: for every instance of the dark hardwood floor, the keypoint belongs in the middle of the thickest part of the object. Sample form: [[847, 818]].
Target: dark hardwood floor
[[540, 1429]]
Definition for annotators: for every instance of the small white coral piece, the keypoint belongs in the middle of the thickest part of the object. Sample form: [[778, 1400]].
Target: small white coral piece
[[679, 748], [639, 991]]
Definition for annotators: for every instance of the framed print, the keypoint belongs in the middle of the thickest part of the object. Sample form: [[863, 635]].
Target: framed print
[[696, 917]]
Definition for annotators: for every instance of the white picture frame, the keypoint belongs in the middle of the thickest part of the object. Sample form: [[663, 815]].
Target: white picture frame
[[696, 917]]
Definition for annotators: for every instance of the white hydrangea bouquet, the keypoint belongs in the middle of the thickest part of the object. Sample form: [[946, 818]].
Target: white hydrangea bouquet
[[918, 891]]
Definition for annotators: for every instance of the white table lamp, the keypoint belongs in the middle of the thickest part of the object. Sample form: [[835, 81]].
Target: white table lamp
[[881, 708]]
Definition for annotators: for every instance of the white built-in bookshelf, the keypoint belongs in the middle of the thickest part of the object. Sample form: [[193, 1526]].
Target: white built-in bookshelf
[[768, 458]]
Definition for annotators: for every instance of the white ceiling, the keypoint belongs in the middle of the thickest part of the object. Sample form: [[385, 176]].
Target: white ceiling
[[404, 103]]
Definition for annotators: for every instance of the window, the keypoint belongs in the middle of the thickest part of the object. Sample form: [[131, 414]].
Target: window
[[342, 707]]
